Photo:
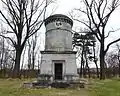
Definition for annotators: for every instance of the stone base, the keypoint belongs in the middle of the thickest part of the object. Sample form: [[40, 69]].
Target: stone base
[[54, 84], [66, 58]]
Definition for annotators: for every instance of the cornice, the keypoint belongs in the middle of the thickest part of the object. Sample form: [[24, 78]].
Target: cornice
[[58, 17]]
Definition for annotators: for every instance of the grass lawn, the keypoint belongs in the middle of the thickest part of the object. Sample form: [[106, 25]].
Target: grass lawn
[[14, 87], [106, 87]]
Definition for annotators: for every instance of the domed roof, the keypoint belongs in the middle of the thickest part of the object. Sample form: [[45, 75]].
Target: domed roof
[[57, 17]]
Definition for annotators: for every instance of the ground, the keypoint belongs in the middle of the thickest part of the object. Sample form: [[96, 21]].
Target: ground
[[108, 87], [14, 87]]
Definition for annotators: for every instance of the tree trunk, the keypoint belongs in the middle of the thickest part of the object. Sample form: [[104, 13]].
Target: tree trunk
[[2, 59], [102, 61], [82, 65], [119, 69], [33, 61], [88, 68], [97, 69], [95, 60], [16, 71], [119, 63]]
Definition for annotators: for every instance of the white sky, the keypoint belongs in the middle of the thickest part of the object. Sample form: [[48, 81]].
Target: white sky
[[64, 6]]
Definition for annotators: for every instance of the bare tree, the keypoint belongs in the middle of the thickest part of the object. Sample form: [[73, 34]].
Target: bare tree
[[94, 58], [113, 59], [25, 18], [84, 41], [32, 51], [97, 13], [118, 57], [2, 52], [112, 63], [5, 57]]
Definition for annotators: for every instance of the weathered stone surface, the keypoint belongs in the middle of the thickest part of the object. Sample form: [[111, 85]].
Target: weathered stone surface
[[69, 66], [58, 38], [58, 48]]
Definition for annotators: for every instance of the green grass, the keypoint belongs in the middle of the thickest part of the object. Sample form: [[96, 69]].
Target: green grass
[[105, 88], [14, 87]]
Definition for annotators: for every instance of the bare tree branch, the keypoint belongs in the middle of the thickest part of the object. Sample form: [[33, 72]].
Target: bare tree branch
[[9, 39], [111, 44], [111, 31]]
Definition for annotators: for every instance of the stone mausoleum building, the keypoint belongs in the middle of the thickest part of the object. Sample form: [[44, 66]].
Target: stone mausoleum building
[[58, 58]]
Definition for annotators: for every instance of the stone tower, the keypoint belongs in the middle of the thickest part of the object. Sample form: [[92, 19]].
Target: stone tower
[[58, 58]]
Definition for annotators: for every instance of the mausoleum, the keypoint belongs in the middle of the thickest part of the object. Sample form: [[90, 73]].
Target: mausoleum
[[58, 60]]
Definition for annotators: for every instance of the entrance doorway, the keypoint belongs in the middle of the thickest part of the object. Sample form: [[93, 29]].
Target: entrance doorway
[[58, 71]]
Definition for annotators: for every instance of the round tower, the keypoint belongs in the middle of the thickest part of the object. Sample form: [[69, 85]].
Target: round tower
[[58, 33], [58, 59]]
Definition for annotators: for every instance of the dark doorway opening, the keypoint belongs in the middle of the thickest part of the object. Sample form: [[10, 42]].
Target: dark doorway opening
[[58, 71]]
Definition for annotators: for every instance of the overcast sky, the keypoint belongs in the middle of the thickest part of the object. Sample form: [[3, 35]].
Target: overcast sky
[[65, 6]]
